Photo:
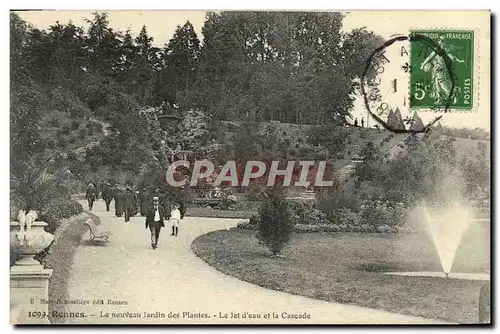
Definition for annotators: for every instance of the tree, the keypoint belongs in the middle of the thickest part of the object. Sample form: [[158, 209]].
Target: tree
[[371, 165], [416, 123], [395, 120], [180, 59], [103, 46], [331, 137], [126, 69], [33, 187], [275, 225], [477, 173], [291, 67], [26, 99], [67, 55], [142, 70]]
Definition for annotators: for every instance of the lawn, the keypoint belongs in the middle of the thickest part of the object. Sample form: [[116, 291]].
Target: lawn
[[60, 258], [345, 268]]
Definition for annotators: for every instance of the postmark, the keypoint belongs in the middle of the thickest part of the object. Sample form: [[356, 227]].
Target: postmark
[[431, 84], [387, 86]]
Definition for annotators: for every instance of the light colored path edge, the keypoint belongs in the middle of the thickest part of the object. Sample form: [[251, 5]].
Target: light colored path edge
[[172, 280], [452, 275]]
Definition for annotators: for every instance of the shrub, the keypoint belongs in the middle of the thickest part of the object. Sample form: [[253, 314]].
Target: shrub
[[59, 209], [65, 129], [62, 141], [254, 220], [98, 127], [304, 151], [384, 229], [394, 196], [72, 156], [15, 206], [33, 186], [55, 122], [346, 216], [307, 215], [380, 213], [275, 224], [250, 224], [75, 124], [82, 133], [302, 228], [156, 146], [72, 139], [329, 203], [254, 191]]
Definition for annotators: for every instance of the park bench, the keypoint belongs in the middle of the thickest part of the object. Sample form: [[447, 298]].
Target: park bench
[[95, 234]]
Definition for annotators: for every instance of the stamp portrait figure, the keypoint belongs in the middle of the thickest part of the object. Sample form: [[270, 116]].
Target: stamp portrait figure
[[441, 82]]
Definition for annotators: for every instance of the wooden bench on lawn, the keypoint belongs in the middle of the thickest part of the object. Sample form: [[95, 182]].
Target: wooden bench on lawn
[[95, 234]]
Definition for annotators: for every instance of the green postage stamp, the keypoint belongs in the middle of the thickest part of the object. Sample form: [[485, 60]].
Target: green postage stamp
[[441, 74]]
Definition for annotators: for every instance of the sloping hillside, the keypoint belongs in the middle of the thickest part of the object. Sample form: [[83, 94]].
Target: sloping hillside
[[467, 147], [64, 133], [464, 147], [385, 140], [358, 138]]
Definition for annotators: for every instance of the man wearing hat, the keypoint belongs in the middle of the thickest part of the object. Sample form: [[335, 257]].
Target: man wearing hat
[[128, 203], [154, 220], [91, 195], [107, 195], [118, 195], [144, 201]]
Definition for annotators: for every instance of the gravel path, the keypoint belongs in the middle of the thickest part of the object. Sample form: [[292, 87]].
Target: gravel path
[[137, 283]]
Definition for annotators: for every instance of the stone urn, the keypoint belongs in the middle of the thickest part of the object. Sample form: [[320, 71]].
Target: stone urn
[[29, 280], [29, 237]]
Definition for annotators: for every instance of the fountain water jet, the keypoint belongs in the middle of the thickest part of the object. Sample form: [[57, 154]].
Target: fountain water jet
[[446, 229]]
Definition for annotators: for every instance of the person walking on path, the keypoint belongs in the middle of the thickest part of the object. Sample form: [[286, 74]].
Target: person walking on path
[[137, 204], [175, 217], [154, 221], [107, 195], [91, 195], [181, 201], [118, 202], [144, 202], [128, 203], [157, 193]]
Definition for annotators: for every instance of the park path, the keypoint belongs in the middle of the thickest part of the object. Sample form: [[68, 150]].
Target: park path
[[172, 279]]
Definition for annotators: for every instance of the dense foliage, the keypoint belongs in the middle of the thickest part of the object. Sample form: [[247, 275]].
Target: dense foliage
[[87, 104], [57, 210]]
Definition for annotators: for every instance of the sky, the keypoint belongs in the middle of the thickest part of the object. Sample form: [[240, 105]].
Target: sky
[[162, 24]]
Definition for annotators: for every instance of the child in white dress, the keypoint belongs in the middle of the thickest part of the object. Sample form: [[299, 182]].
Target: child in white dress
[[175, 217]]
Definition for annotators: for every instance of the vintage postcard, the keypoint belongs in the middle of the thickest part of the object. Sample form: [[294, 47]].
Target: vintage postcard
[[250, 167]]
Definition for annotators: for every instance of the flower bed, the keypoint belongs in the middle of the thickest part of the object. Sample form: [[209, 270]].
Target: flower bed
[[376, 217]]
